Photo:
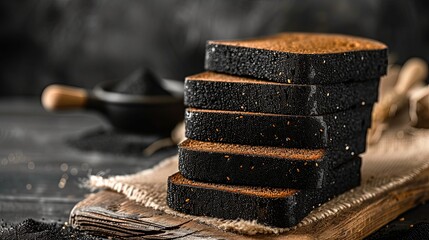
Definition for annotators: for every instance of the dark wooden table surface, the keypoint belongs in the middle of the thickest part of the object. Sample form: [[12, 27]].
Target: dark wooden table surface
[[40, 173]]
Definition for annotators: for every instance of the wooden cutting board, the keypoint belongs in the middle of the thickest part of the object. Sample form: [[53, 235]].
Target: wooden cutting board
[[111, 214]]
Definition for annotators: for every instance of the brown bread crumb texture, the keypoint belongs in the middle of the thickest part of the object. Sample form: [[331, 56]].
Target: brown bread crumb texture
[[265, 192], [219, 77], [308, 43], [265, 151]]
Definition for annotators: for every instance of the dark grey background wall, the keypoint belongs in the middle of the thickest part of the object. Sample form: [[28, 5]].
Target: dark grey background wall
[[82, 42]]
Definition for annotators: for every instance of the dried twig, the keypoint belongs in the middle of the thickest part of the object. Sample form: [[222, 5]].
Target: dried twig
[[419, 108], [177, 135], [412, 74]]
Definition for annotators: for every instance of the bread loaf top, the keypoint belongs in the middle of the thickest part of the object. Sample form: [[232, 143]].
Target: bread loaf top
[[308, 43]]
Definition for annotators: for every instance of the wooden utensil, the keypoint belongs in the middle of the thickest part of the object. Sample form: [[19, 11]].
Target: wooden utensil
[[413, 73], [126, 112]]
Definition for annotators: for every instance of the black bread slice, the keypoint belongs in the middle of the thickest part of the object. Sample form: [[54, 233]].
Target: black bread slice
[[263, 129], [261, 166], [300, 58], [217, 91], [276, 207]]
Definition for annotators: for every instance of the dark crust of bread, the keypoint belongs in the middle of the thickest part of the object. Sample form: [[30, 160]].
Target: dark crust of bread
[[273, 59], [273, 207], [291, 131], [224, 163], [217, 91]]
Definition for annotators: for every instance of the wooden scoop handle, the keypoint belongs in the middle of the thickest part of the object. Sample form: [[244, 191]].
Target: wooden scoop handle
[[59, 97]]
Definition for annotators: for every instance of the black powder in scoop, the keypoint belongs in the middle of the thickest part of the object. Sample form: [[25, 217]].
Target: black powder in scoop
[[141, 82]]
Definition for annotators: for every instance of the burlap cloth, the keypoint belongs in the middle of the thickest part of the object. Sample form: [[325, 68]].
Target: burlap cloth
[[400, 155]]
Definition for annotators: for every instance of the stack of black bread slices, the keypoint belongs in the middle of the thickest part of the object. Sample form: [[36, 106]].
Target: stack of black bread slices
[[276, 126]]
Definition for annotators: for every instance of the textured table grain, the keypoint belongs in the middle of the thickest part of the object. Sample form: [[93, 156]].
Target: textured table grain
[[39, 172]]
